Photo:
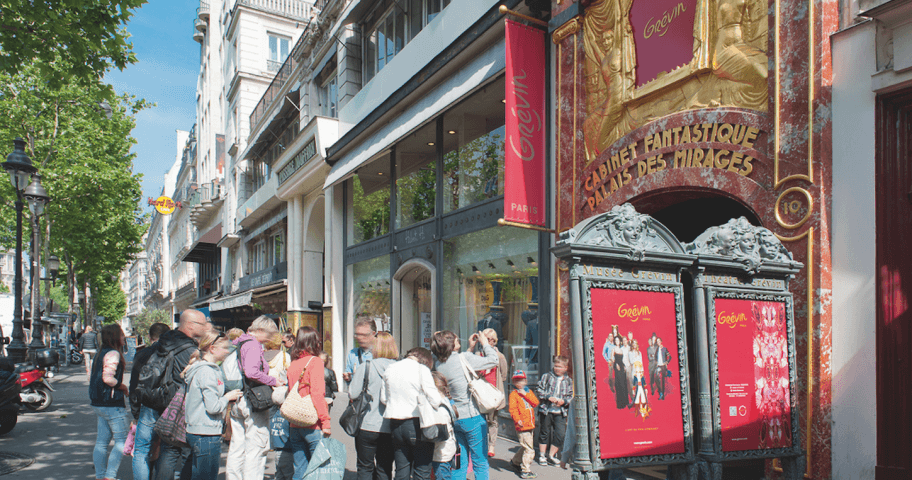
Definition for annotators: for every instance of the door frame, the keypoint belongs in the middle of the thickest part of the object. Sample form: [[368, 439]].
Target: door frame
[[397, 291]]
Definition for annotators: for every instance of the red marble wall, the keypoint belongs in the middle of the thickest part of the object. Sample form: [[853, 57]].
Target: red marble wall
[[788, 187]]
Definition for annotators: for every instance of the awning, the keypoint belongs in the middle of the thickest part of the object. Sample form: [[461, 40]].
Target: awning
[[247, 296], [205, 247]]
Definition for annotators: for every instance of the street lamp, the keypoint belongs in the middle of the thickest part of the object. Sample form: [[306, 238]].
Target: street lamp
[[19, 166], [37, 198]]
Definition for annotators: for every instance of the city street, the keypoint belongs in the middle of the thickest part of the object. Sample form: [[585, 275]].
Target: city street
[[61, 440]]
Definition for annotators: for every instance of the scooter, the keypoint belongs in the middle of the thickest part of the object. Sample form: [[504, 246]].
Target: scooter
[[76, 357], [37, 391], [9, 396]]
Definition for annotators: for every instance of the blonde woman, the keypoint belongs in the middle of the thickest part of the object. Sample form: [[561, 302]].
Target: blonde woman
[[206, 403], [373, 443], [250, 429], [496, 376]]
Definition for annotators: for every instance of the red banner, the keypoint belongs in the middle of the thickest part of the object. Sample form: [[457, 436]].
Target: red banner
[[663, 36], [753, 387], [638, 376], [524, 169]]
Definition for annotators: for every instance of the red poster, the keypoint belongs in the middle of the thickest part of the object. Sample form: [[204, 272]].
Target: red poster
[[524, 169], [638, 376], [752, 344]]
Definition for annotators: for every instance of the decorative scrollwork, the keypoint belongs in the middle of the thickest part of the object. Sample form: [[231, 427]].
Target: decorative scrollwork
[[622, 227], [745, 243]]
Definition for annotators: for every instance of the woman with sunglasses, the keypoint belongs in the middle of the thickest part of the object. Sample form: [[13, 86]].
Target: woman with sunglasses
[[206, 402]]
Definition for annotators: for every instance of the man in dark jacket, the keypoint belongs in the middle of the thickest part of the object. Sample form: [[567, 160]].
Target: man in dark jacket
[[192, 327], [142, 356], [88, 343]]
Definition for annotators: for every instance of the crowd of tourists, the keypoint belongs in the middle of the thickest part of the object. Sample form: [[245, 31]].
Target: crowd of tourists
[[432, 410]]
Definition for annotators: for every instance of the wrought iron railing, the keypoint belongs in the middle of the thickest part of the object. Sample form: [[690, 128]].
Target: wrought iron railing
[[295, 9], [279, 80]]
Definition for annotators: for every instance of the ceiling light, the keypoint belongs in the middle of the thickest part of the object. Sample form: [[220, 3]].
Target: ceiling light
[[380, 173], [430, 144], [452, 132], [504, 101]]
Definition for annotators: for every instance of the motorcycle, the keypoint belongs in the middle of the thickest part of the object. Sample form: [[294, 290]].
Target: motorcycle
[[9, 396], [37, 392], [76, 357]]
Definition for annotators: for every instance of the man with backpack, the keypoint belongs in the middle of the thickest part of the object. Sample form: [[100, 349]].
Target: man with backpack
[[159, 379], [145, 421]]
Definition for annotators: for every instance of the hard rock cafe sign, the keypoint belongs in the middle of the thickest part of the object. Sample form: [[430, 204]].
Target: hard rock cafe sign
[[164, 205], [648, 59]]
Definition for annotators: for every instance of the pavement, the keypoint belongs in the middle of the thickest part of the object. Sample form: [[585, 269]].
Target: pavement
[[61, 440]]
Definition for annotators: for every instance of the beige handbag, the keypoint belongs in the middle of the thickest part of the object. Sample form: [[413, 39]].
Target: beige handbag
[[298, 410]]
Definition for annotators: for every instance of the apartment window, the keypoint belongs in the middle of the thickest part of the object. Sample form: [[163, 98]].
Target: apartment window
[[394, 29], [278, 51], [277, 242], [259, 256], [329, 95]]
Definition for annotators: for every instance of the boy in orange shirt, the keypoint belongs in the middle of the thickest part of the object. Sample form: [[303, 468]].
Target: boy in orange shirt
[[522, 410]]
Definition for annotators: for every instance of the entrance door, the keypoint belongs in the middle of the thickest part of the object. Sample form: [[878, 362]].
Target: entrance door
[[414, 305]]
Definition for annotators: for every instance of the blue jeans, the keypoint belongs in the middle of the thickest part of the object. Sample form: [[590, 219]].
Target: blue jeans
[[303, 443], [442, 471], [113, 423], [207, 452], [145, 437], [472, 437]]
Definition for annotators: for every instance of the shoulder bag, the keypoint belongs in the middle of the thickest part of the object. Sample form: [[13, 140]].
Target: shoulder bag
[[357, 408], [432, 428], [487, 396], [258, 395], [171, 426], [300, 411]]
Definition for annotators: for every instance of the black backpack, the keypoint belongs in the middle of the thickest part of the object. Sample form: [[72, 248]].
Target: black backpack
[[157, 378]]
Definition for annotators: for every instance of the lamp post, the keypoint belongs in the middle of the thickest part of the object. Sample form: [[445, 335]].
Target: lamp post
[[52, 267], [37, 199], [19, 166]]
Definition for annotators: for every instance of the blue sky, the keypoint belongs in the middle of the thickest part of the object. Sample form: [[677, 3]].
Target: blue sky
[[166, 73]]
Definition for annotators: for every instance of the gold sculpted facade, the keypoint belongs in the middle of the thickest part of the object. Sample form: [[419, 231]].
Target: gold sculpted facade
[[728, 66]]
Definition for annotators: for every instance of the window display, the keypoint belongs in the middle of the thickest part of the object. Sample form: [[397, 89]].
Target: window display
[[370, 201], [371, 289]]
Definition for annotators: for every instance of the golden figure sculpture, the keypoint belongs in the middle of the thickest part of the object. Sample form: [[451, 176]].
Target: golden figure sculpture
[[609, 67], [733, 72]]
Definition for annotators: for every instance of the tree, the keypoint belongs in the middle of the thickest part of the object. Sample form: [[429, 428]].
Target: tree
[[146, 318], [86, 166], [68, 39]]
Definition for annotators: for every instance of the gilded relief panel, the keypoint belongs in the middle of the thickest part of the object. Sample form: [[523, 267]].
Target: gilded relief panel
[[645, 60]]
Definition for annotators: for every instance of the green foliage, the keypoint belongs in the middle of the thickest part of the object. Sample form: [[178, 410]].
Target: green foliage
[[371, 212], [4, 288], [144, 320], [68, 40], [87, 168]]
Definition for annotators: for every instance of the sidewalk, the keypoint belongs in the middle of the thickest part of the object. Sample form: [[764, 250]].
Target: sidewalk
[[62, 438]]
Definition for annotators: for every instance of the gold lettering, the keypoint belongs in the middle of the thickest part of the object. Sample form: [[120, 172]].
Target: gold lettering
[[725, 132], [685, 134], [748, 168], [722, 162], [750, 136]]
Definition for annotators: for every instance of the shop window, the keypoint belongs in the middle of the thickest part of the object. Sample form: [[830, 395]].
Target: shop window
[[395, 28], [371, 291], [416, 176], [490, 280], [473, 145], [369, 191]]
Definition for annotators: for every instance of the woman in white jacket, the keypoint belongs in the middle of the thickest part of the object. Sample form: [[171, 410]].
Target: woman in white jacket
[[205, 405], [404, 382]]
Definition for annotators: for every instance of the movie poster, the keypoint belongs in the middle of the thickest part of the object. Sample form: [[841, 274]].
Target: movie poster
[[752, 346], [638, 375]]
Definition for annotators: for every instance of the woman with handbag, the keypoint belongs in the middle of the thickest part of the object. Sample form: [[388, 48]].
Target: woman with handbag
[[407, 383], [306, 395], [205, 405], [471, 427], [106, 393], [249, 424], [373, 443]]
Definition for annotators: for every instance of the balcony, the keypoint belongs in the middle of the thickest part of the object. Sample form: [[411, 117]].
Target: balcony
[[198, 36], [203, 11], [204, 203], [294, 9], [199, 24]]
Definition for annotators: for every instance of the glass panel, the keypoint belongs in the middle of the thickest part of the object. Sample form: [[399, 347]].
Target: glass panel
[[273, 48], [278, 249], [371, 291], [490, 280], [390, 33], [416, 10], [370, 189], [473, 145], [415, 319], [283, 43], [370, 57], [400, 29], [416, 176], [433, 8], [381, 45]]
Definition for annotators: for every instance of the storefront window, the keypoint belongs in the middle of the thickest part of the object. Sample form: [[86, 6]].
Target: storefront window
[[490, 280], [416, 176], [370, 193], [473, 145], [371, 287]]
